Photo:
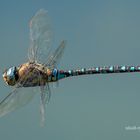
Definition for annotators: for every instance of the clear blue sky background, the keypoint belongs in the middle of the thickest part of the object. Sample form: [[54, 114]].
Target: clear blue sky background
[[98, 33]]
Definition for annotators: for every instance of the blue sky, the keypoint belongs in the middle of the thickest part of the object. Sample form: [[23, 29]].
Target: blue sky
[[98, 33]]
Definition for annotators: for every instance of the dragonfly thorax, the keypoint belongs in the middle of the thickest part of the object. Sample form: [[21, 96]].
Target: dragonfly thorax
[[10, 76]]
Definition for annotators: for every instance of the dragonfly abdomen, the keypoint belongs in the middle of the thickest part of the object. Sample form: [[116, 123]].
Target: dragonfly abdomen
[[98, 70]]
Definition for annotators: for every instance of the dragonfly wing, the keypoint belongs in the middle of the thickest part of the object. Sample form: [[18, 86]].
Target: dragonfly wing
[[44, 98], [20, 96], [56, 56], [15, 100], [41, 37]]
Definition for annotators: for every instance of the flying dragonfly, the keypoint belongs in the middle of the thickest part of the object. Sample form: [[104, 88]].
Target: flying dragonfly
[[41, 69]]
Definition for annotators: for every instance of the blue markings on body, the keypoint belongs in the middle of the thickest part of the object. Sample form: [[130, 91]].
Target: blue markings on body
[[138, 68], [69, 72], [111, 68], [54, 72], [61, 75], [83, 70], [97, 69], [132, 68], [123, 68]]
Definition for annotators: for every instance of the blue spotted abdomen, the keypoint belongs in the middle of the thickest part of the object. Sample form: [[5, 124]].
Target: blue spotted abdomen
[[98, 70]]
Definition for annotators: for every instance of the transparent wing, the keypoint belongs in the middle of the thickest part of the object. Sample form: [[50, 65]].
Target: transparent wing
[[44, 98], [20, 96], [40, 36], [54, 59], [15, 100]]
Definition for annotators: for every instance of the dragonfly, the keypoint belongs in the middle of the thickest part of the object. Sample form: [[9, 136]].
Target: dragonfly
[[41, 69]]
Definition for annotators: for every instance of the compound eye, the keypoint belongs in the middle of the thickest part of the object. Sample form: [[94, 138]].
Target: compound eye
[[11, 72], [9, 76]]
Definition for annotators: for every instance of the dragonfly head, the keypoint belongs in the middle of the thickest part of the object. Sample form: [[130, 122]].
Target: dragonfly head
[[10, 76]]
